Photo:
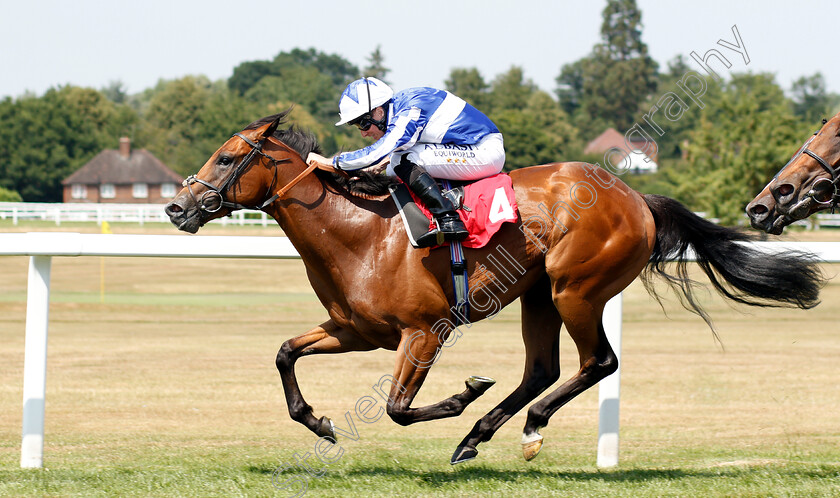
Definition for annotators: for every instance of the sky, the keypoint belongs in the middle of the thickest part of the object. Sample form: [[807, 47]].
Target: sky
[[94, 43]]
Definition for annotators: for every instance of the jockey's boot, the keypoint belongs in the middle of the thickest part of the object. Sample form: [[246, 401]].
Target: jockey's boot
[[449, 223], [450, 227]]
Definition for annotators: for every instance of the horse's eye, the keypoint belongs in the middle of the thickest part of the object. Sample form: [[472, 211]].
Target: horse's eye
[[225, 160]]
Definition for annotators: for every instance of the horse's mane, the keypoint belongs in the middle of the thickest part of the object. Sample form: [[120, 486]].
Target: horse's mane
[[303, 142]]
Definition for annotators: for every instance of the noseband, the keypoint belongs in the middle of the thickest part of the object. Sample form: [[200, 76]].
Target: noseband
[[812, 193], [833, 183], [213, 199]]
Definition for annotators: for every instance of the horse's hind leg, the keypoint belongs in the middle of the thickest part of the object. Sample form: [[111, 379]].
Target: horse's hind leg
[[540, 332], [597, 360], [325, 338]]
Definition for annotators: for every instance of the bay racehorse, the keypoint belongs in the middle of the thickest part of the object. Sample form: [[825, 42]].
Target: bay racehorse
[[582, 236], [808, 183]]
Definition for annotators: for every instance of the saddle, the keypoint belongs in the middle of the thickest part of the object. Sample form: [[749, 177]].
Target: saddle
[[483, 205]]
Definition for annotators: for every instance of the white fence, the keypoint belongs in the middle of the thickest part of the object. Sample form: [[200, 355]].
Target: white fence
[[41, 247], [112, 213], [153, 213]]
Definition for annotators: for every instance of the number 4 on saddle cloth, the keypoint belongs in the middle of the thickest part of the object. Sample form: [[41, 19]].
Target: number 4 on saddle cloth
[[483, 206]]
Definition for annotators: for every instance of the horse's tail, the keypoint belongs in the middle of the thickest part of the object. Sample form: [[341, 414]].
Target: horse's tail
[[739, 272]]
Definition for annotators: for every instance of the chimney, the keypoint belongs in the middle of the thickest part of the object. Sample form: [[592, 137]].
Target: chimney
[[125, 147]]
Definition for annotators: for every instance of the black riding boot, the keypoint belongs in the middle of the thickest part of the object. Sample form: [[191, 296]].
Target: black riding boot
[[450, 226]]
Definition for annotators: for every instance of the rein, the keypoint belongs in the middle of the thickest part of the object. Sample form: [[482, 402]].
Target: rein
[[812, 194], [213, 199]]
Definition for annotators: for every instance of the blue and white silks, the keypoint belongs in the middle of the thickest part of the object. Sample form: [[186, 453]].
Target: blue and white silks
[[422, 115]]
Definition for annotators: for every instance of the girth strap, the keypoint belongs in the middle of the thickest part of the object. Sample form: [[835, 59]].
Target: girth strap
[[460, 278], [460, 282]]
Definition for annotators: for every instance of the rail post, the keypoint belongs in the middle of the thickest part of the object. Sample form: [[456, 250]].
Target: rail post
[[35, 362], [609, 390]]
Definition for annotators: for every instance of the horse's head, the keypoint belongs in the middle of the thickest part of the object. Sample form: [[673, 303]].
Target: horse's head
[[241, 174], [806, 184]]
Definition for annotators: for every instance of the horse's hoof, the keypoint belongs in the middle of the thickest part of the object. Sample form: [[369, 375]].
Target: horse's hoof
[[480, 384], [326, 428], [463, 454], [531, 445]]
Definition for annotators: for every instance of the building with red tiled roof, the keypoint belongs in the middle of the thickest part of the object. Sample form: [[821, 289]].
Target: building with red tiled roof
[[122, 176], [639, 161]]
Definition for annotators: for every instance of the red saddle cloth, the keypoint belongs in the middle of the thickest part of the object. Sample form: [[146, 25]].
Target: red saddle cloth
[[488, 203]]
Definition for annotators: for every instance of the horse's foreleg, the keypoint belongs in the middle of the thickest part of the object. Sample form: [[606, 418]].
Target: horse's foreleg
[[541, 334], [415, 356], [325, 338]]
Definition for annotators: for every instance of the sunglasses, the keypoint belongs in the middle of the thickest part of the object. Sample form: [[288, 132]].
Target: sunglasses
[[363, 122]]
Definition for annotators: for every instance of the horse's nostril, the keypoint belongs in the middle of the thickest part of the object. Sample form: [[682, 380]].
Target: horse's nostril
[[173, 209], [785, 189], [758, 209]]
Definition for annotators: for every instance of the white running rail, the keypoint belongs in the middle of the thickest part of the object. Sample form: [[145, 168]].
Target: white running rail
[[112, 213], [41, 247]]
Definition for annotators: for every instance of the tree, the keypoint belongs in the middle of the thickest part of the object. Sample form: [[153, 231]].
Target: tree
[[621, 31], [570, 86], [7, 195], [171, 120], [617, 77], [811, 100], [187, 119], [376, 65], [535, 127], [744, 136], [510, 90], [248, 74], [44, 139], [302, 85], [555, 123], [335, 67], [537, 133], [309, 79], [339, 69], [468, 84], [675, 131], [115, 92], [525, 143]]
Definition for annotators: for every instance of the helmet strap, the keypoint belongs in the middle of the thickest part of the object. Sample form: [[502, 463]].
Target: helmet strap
[[370, 103], [382, 124]]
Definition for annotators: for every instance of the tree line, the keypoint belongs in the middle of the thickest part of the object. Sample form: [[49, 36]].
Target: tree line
[[713, 159]]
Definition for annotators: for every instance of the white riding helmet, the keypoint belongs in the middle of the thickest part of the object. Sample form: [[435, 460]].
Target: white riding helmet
[[361, 97]]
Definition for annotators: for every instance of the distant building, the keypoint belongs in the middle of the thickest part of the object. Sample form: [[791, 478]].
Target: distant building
[[122, 176], [639, 162]]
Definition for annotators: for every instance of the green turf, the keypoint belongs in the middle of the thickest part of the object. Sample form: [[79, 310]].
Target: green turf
[[169, 388], [421, 468]]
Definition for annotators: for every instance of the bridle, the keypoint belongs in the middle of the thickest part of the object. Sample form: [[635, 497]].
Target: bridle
[[811, 195], [213, 199]]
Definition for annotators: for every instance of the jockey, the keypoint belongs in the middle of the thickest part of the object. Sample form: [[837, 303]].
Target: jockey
[[422, 134]]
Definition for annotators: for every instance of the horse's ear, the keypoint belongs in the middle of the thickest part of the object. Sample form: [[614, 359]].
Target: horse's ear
[[272, 127]]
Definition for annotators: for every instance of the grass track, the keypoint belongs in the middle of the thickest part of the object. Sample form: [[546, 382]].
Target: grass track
[[168, 388]]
